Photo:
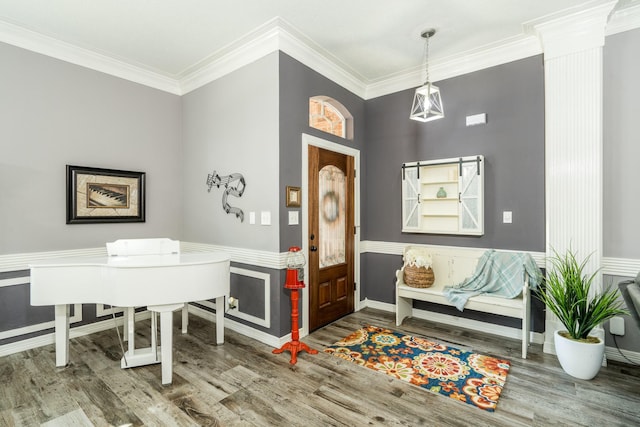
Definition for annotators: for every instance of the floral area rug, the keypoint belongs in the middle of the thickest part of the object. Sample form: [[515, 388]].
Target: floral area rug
[[461, 375]]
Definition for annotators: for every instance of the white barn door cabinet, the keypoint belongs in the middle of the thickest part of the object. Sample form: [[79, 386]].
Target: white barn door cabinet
[[444, 196]]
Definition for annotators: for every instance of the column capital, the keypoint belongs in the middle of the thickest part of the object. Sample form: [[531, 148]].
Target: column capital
[[564, 34]]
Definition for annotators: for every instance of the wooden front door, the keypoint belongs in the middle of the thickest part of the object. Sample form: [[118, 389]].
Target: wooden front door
[[331, 236]]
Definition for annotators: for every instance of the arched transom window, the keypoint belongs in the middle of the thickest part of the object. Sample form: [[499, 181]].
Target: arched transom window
[[328, 115]]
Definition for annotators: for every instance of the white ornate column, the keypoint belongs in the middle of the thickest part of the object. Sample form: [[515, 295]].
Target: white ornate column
[[572, 47]]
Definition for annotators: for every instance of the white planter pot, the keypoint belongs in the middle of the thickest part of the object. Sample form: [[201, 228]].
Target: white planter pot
[[579, 359]]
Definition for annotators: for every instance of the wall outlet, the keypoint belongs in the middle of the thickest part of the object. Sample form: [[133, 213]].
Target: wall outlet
[[616, 325]]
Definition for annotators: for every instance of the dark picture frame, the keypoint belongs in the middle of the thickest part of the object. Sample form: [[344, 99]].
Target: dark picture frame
[[96, 195], [293, 197]]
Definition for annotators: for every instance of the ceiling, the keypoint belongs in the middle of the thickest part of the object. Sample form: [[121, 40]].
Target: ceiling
[[371, 40]]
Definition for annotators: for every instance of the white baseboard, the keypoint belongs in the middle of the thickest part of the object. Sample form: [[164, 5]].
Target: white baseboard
[[612, 353], [384, 306], [476, 325], [74, 332], [78, 331], [27, 344], [243, 329]]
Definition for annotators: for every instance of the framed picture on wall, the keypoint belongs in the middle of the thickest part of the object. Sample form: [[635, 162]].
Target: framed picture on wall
[[293, 197], [104, 195]]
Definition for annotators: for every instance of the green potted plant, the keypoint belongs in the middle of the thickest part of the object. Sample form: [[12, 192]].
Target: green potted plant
[[566, 294]]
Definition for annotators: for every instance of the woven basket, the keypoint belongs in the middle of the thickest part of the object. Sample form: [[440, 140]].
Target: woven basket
[[418, 277]]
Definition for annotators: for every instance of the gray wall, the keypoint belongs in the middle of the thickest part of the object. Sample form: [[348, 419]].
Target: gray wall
[[15, 308], [621, 148], [631, 338], [512, 96], [512, 141], [621, 186], [231, 126], [53, 113], [298, 84]]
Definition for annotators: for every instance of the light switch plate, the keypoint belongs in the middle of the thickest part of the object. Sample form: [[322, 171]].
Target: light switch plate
[[293, 218], [252, 217], [265, 218], [507, 217]]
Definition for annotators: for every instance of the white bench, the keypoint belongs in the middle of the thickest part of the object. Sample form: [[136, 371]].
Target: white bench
[[452, 266]]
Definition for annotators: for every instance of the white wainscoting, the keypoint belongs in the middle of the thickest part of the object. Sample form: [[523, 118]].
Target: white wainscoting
[[77, 317], [22, 281], [101, 310], [474, 325], [235, 312], [14, 281], [396, 248], [20, 262], [622, 267]]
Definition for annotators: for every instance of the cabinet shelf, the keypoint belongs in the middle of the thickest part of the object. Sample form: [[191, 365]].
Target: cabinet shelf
[[440, 199], [442, 215], [438, 182]]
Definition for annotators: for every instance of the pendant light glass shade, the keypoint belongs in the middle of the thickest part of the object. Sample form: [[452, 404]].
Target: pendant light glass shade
[[427, 103]]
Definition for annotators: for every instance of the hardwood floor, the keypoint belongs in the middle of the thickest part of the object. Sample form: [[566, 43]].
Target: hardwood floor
[[241, 383]]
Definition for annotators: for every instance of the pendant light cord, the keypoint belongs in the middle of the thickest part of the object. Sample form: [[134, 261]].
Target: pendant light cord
[[426, 57]]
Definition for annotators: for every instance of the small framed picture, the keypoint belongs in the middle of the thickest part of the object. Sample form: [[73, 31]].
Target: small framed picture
[[293, 197], [104, 195]]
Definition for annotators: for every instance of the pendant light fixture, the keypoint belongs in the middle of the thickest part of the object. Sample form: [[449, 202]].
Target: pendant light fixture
[[427, 104]]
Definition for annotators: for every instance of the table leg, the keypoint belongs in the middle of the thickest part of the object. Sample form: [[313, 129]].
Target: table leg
[[220, 320], [62, 334], [154, 330], [166, 337], [131, 328], [185, 317]]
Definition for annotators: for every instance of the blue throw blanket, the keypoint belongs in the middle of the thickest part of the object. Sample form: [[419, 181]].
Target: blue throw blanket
[[499, 274]]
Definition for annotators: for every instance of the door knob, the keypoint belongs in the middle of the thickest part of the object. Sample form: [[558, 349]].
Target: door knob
[[313, 248]]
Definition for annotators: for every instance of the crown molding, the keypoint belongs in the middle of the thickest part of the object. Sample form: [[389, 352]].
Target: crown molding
[[508, 50], [295, 44], [562, 35], [255, 45], [624, 20], [49, 46], [278, 34]]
